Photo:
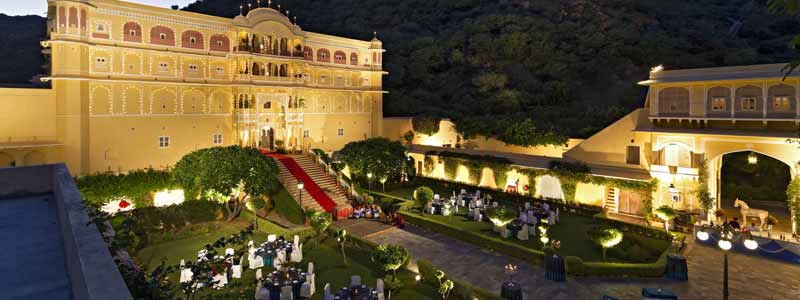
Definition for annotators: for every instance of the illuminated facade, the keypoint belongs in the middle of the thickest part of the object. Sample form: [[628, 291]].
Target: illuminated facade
[[136, 86]]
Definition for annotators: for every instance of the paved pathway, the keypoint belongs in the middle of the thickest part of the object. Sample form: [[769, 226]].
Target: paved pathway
[[750, 277]]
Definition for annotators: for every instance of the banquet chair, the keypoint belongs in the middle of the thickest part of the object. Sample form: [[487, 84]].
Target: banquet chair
[[257, 262], [557, 215], [279, 259], [436, 197], [286, 293], [310, 269], [470, 213], [221, 280], [379, 289], [250, 244], [259, 274], [262, 293], [494, 204], [327, 291], [355, 280], [297, 255], [202, 253], [229, 251], [522, 235], [186, 275], [463, 191], [183, 264], [305, 290], [546, 206], [271, 238], [504, 232], [296, 241], [527, 205]]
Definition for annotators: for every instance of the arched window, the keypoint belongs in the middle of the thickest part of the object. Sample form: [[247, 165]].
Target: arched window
[[781, 101], [219, 42], [308, 53], [257, 69], [719, 102], [323, 55], [192, 39], [749, 102], [339, 57], [284, 71], [353, 59], [161, 35], [673, 102]]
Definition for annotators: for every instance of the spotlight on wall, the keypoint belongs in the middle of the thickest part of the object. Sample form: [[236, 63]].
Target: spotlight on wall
[[752, 158]]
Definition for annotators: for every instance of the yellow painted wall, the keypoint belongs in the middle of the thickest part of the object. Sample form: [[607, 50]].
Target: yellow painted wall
[[588, 193], [27, 115]]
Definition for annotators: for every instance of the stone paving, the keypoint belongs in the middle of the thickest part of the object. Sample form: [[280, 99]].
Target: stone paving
[[749, 278]]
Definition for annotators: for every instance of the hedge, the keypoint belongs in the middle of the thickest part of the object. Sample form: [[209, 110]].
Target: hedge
[[150, 224], [461, 289], [137, 186]]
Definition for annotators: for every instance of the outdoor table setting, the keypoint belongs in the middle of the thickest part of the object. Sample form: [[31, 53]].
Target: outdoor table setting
[[511, 291], [515, 226], [278, 279], [269, 250], [358, 292]]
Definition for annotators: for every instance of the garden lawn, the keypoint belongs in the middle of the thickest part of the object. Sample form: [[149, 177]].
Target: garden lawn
[[327, 260], [571, 231], [287, 206]]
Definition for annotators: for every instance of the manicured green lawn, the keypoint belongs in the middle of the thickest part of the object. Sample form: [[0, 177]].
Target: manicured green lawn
[[571, 231], [327, 259], [287, 206]]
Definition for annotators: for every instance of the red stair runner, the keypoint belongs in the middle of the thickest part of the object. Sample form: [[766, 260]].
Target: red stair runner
[[308, 184]]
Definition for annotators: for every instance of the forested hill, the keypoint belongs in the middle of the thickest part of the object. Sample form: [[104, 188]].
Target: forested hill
[[569, 65], [20, 53]]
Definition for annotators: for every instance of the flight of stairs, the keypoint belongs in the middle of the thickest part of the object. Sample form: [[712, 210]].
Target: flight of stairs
[[611, 205], [323, 180], [319, 192]]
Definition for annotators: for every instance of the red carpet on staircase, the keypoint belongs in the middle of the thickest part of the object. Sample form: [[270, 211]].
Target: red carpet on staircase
[[308, 184]]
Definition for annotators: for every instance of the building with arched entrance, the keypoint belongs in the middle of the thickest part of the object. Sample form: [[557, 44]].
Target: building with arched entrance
[[136, 86]]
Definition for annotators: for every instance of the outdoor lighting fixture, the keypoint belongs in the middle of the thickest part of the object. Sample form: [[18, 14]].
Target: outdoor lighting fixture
[[369, 175], [725, 245], [544, 239], [751, 244], [752, 158], [672, 188], [702, 235], [300, 185], [418, 277], [657, 69]]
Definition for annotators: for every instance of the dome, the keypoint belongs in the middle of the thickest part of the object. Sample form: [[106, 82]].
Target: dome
[[240, 20], [375, 43]]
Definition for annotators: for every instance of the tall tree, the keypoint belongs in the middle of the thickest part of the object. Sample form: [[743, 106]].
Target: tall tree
[[232, 175], [384, 159]]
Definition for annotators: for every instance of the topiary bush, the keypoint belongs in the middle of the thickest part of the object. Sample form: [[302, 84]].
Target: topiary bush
[[422, 196], [574, 265]]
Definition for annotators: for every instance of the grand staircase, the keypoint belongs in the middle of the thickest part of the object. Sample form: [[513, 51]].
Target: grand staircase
[[319, 190]]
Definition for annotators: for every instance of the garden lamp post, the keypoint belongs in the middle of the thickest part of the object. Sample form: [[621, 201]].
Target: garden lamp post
[[300, 186], [369, 181], [726, 243]]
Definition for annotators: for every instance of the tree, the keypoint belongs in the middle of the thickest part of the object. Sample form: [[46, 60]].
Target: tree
[[426, 124], [232, 175], [408, 137], [793, 197], [788, 7], [320, 221], [391, 257], [341, 238], [605, 237], [666, 213], [422, 196], [377, 156]]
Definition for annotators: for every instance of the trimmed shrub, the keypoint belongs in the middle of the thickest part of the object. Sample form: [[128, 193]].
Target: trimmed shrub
[[136, 186], [574, 265], [151, 223]]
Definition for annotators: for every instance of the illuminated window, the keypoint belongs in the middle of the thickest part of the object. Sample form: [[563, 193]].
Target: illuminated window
[[782, 103], [192, 40], [306, 134], [749, 103], [268, 105], [718, 103], [132, 32], [162, 36], [217, 139], [163, 142]]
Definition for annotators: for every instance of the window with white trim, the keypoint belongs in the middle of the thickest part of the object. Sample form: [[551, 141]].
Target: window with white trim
[[220, 71], [132, 32], [219, 43], [101, 62], [217, 139], [101, 27], [782, 103], [163, 142], [192, 40], [719, 104], [193, 68], [306, 134], [340, 132], [748, 103], [163, 67], [162, 36]]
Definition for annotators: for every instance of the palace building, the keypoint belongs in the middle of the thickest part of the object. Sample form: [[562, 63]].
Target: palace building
[[136, 86]]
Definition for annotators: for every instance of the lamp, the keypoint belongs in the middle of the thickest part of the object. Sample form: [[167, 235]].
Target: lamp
[[702, 234], [750, 244], [752, 158], [300, 186], [725, 245]]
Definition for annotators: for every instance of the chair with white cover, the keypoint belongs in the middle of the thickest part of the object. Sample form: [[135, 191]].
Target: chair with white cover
[[230, 252], [530, 216], [186, 275], [262, 293], [504, 232], [259, 274], [202, 254], [221, 280], [271, 238], [470, 213], [256, 262], [296, 241], [250, 244], [279, 259], [494, 204], [557, 215], [478, 194], [297, 255], [532, 228], [379, 289], [183, 264], [327, 291], [286, 293], [310, 269], [436, 197], [355, 280], [522, 235], [305, 290], [546, 206], [463, 191], [527, 205], [523, 218]]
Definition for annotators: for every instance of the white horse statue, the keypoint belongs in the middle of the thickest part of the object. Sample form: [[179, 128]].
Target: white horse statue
[[750, 212]]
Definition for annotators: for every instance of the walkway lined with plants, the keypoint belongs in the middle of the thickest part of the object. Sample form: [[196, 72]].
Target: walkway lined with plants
[[750, 277]]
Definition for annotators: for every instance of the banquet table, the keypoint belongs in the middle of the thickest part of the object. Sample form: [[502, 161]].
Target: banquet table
[[437, 208], [362, 292], [269, 250], [278, 279]]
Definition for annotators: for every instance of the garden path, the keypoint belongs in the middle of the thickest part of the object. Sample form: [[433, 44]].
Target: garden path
[[750, 277]]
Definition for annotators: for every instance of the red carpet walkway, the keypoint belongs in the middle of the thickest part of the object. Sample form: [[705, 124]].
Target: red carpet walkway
[[308, 184]]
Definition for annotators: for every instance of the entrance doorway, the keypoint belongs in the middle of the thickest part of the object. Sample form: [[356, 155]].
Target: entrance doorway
[[629, 203], [268, 138], [758, 180]]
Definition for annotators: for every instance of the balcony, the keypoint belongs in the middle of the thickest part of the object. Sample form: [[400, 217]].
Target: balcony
[[265, 51]]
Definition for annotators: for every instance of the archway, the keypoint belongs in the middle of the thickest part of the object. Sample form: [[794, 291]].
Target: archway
[[757, 179], [267, 139]]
